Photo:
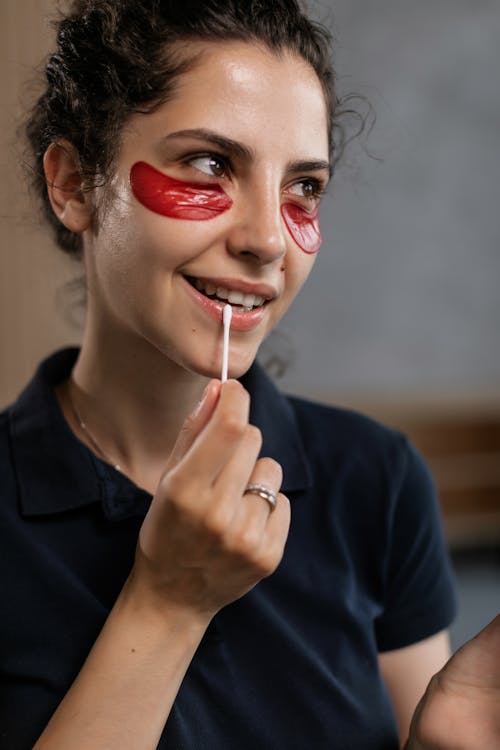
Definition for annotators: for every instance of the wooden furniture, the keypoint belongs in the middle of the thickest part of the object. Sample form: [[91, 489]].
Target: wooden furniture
[[464, 455], [461, 443]]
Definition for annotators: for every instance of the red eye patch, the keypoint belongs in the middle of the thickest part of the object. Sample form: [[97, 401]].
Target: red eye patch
[[303, 226], [174, 198]]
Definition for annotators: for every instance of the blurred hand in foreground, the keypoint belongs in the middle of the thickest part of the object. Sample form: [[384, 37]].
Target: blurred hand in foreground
[[460, 709]]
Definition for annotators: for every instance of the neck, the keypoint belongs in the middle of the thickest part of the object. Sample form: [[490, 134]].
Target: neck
[[133, 400]]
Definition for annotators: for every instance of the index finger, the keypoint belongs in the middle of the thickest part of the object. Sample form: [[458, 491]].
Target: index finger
[[215, 445], [195, 423]]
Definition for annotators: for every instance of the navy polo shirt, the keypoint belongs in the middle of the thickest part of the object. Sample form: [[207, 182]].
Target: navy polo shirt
[[293, 663]]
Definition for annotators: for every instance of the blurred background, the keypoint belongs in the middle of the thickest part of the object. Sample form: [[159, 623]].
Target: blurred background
[[401, 316]]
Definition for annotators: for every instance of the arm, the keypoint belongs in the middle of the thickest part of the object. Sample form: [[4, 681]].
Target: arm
[[201, 546], [460, 709], [407, 671], [125, 690]]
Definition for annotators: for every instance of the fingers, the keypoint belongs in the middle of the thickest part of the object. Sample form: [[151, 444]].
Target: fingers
[[460, 706], [275, 535], [241, 463], [254, 508], [258, 519], [258, 531], [476, 663], [205, 541], [195, 423], [214, 447], [223, 459]]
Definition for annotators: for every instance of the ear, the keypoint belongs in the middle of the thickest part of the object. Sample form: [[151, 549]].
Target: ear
[[65, 186]]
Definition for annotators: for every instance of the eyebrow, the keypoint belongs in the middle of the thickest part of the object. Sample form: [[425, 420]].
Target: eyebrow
[[227, 144], [310, 166], [244, 152]]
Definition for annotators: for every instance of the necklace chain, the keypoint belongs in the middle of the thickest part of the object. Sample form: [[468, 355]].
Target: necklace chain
[[90, 436]]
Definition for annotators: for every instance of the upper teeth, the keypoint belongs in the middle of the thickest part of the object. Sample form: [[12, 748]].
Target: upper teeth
[[236, 298]]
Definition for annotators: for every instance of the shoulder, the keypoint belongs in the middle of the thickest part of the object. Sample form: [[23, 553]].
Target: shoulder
[[367, 465], [380, 499], [333, 445], [339, 421], [334, 431], [29, 430]]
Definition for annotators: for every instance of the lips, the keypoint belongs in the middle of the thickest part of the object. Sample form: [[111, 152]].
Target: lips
[[247, 299]]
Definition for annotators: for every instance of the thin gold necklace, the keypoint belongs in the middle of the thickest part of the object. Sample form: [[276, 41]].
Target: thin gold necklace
[[91, 438]]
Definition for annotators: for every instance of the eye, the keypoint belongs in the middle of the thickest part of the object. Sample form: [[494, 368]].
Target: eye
[[310, 188], [210, 164]]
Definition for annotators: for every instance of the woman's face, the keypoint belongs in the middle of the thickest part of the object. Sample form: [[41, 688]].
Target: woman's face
[[243, 144]]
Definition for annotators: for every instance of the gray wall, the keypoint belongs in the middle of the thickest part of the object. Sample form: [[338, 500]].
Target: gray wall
[[404, 297]]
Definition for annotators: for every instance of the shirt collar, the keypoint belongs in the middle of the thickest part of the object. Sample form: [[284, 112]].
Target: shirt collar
[[56, 472]]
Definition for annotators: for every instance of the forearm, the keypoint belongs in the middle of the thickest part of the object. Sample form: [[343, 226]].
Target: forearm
[[124, 693]]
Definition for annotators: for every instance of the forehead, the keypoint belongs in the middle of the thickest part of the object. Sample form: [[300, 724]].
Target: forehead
[[250, 94]]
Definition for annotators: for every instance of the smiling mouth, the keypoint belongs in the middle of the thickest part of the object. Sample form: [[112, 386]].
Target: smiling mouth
[[240, 302]]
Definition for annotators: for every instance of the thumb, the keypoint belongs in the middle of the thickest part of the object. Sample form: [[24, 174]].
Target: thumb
[[477, 662], [195, 423]]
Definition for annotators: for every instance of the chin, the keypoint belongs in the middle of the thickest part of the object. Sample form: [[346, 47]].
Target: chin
[[237, 367], [199, 360]]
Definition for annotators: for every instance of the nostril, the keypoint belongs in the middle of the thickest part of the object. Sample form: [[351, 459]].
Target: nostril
[[253, 238]]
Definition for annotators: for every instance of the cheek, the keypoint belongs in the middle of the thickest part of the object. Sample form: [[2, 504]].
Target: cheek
[[298, 267], [303, 226], [174, 198]]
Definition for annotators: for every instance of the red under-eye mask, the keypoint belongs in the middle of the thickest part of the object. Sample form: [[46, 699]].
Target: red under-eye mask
[[201, 201], [304, 227], [177, 199]]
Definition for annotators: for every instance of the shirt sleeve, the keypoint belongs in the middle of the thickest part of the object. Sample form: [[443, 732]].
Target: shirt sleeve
[[420, 598]]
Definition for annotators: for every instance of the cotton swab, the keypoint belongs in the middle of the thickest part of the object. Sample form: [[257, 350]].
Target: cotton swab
[[227, 314]]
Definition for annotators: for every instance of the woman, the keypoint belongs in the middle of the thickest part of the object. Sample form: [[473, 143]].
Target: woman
[[162, 590]]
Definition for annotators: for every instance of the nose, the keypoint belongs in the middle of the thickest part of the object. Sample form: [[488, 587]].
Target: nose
[[258, 232]]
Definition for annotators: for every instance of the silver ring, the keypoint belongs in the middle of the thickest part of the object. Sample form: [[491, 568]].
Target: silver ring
[[264, 492]]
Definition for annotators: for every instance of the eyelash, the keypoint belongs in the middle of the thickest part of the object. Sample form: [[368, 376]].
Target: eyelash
[[318, 188]]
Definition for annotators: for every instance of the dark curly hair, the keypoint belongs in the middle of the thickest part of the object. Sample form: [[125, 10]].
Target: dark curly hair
[[119, 57]]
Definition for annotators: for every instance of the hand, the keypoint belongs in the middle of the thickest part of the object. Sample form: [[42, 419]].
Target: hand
[[461, 707], [204, 543]]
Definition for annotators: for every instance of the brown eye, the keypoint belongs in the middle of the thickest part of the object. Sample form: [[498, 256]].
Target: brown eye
[[210, 164], [218, 167], [310, 189]]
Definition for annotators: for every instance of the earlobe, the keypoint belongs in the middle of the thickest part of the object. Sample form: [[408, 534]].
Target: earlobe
[[65, 186]]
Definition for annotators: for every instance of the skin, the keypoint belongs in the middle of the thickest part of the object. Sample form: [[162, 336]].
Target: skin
[[149, 352], [407, 671], [460, 709]]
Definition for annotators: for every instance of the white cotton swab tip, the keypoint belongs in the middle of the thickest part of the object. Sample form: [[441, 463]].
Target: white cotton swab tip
[[227, 314]]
